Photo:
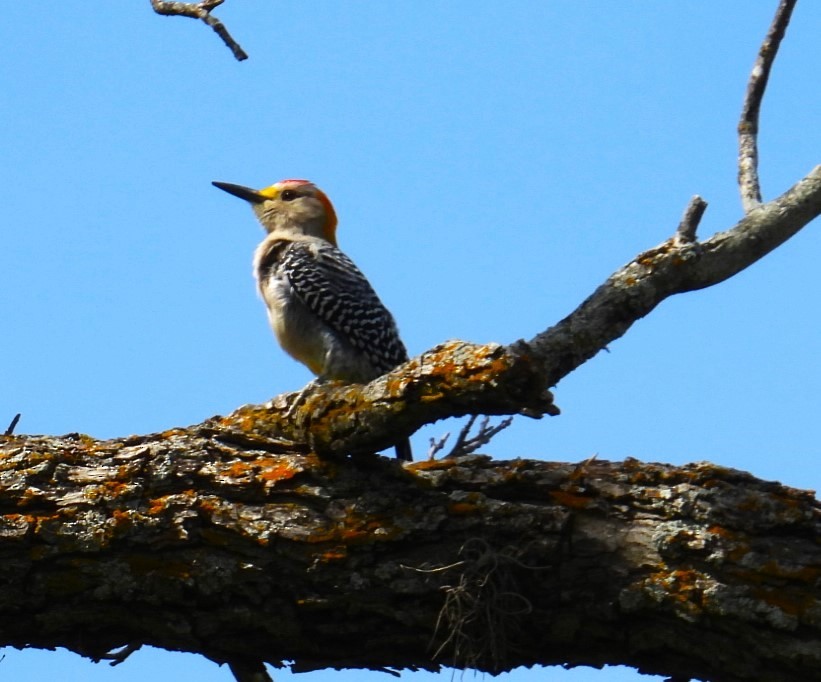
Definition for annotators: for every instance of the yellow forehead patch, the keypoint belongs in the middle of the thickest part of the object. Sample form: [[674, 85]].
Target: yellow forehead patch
[[271, 192]]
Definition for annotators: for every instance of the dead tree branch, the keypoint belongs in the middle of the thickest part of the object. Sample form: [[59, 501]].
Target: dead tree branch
[[12, 425], [467, 444], [686, 231], [748, 181], [671, 268], [201, 11]]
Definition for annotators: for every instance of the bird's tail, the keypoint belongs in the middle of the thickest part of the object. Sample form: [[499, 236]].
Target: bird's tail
[[403, 450]]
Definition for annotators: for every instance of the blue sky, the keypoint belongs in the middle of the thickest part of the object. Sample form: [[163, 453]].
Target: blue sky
[[491, 164]]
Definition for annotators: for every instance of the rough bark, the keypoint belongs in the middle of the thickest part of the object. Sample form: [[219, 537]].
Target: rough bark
[[189, 541]]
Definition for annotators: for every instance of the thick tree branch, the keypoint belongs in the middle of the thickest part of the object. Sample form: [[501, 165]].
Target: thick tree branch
[[202, 11], [673, 267], [458, 378], [748, 182], [451, 380], [250, 553]]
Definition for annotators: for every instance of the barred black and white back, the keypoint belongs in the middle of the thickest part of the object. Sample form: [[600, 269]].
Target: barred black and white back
[[324, 311]]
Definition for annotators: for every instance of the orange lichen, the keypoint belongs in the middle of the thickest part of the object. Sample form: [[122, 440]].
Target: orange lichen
[[125, 472], [276, 470], [352, 535], [207, 505], [115, 488], [808, 575], [123, 520], [571, 500], [39, 457], [397, 386], [682, 586], [721, 532], [431, 465], [245, 419], [158, 505], [337, 553], [238, 470], [637, 477], [431, 396], [791, 603], [342, 413], [29, 495], [87, 440], [40, 520], [738, 553], [355, 529], [323, 534], [463, 508]]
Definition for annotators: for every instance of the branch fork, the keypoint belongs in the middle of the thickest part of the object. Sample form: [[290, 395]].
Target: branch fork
[[201, 11]]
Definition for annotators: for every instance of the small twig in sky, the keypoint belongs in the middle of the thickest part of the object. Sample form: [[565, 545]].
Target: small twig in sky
[[457, 448], [748, 181], [119, 655], [202, 11], [579, 471], [686, 231], [437, 444], [12, 425], [466, 446]]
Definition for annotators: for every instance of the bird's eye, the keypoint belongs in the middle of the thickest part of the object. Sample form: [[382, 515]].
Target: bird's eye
[[288, 195]]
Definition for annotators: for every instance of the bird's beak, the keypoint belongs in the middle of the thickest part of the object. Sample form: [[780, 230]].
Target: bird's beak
[[246, 193]]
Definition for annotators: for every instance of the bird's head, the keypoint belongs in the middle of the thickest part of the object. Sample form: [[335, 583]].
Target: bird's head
[[291, 205]]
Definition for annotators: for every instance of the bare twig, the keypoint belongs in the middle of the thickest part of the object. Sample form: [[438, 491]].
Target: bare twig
[[202, 11], [12, 425], [437, 444], [686, 231], [438, 569], [748, 181], [581, 467], [457, 450], [466, 446], [118, 656], [249, 671], [636, 289]]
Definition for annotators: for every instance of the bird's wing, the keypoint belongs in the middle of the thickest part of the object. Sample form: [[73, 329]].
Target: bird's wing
[[333, 288]]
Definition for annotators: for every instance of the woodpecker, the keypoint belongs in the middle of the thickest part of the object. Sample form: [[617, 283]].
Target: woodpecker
[[323, 310]]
